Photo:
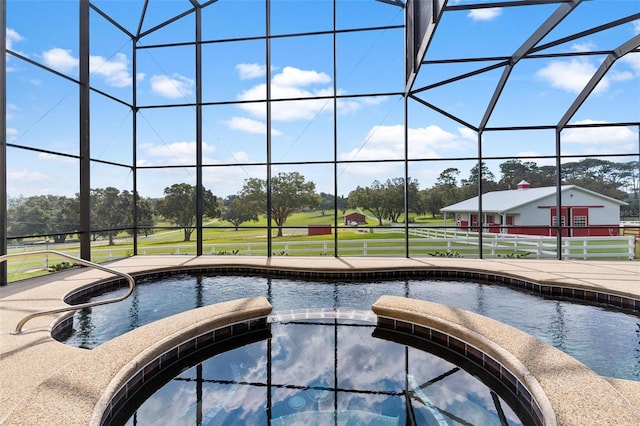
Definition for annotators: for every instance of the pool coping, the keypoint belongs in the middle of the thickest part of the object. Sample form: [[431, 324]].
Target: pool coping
[[549, 380], [40, 373]]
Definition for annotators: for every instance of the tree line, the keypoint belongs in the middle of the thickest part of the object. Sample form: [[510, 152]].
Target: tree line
[[613, 179], [112, 210]]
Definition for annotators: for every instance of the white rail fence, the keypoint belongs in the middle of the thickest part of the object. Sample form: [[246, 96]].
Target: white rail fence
[[537, 246], [422, 242]]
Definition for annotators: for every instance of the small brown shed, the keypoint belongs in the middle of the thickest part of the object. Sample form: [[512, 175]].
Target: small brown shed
[[355, 219]]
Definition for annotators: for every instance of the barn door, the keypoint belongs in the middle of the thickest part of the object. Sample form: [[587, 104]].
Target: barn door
[[553, 221]]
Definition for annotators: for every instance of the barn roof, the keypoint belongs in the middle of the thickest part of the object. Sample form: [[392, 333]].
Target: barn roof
[[502, 201]]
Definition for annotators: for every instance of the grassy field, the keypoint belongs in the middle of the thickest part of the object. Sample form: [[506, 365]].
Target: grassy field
[[221, 238]]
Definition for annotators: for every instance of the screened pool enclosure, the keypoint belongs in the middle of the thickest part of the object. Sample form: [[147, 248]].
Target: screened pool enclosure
[[319, 128]]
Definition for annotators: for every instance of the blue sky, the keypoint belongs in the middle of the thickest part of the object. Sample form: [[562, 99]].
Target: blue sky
[[42, 109]]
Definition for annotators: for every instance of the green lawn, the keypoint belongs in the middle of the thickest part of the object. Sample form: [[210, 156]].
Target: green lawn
[[222, 238]]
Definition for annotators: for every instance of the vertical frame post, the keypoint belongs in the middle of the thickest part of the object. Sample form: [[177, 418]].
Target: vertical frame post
[[199, 186], [3, 140], [84, 134], [268, 120]]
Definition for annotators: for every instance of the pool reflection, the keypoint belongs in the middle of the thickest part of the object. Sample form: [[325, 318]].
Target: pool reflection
[[329, 371]]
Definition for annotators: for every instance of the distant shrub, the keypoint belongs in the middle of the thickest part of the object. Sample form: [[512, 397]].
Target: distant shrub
[[62, 266], [447, 253], [514, 255], [227, 253]]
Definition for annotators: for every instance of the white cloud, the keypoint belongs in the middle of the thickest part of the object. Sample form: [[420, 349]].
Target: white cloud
[[377, 100], [286, 110], [37, 181], [632, 60], [434, 141], [636, 27], [346, 106], [571, 76], [467, 133], [250, 71], [292, 83], [57, 158], [387, 142], [600, 139], [382, 142], [484, 14], [228, 180], [295, 77], [60, 59], [11, 134], [240, 157], [181, 153], [250, 126], [114, 71], [586, 46], [26, 175], [173, 87], [12, 37], [10, 109], [300, 110], [621, 75]]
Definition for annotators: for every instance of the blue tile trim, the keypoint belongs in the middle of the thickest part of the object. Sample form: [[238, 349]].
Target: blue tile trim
[[177, 353]]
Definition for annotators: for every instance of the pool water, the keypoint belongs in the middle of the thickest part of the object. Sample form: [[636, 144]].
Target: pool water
[[325, 372], [607, 341]]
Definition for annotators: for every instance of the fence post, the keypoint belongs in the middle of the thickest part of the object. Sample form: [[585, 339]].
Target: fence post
[[585, 250], [364, 248]]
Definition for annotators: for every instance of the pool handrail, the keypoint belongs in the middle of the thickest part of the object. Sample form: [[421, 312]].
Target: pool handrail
[[78, 261]]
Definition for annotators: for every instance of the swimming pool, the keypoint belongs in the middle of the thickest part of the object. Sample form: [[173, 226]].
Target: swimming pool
[[605, 340], [325, 371]]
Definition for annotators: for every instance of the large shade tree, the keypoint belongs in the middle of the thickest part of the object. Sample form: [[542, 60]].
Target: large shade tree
[[603, 176], [386, 200], [111, 212], [179, 206], [369, 198], [237, 212], [478, 173], [515, 171], [146, 220], [52, 215], [289, 193]]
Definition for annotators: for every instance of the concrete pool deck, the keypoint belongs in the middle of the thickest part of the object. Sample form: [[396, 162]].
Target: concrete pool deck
[[47, 382]]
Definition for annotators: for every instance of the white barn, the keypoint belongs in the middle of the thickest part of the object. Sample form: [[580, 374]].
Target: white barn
[[533, 211]]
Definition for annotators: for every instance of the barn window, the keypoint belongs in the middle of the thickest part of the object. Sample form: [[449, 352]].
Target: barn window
[[580, 221]]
